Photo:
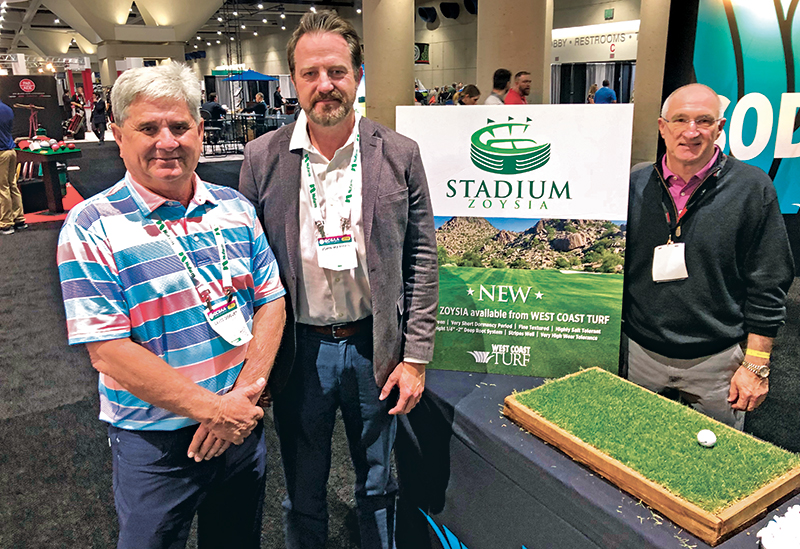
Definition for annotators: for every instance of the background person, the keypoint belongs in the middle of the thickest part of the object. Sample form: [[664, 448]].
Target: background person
[[518, 94], [707, 264], [11, 216], [99, 117], [361, 316], [178, 378], [605, 94], [213, 107], [590, 95], [470, 95], [501, 82]]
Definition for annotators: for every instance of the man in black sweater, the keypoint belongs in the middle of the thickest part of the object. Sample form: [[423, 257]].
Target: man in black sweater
[[708, 265]]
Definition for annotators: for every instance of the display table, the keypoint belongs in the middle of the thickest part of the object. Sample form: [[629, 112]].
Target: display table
[[495, 486], [52, 184]]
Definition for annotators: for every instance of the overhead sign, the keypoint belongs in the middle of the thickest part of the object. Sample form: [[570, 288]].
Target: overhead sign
[[595, 43]]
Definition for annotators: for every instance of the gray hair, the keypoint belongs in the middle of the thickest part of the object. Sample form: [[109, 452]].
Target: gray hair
[[665, 106], [168, 81]]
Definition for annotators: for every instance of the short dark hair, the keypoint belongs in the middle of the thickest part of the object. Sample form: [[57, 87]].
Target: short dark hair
[[321, 22], [501, 78], [470, 90], [606, 82], [212, 96]]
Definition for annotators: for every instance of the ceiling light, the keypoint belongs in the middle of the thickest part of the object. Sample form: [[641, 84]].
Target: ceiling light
[[195, 46], [219, 32], [198, 37], [208, 43], [4, 4], [41, 69], [283, 15], [255, 34], [261, 6], [231, 38], [49, 66], [217, 41], [313, 8], [219, 19], [283, 27], [243, 27], [236, 14], [57, 21], [263, 20], [358, 10]]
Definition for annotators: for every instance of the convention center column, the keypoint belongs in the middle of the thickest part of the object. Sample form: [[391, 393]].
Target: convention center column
[[516, 36], [388, 58], [650, 61]]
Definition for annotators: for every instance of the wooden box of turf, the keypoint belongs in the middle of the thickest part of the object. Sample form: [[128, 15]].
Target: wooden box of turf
[[647, 445]]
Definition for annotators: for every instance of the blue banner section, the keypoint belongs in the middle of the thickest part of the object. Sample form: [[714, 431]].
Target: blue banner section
[[747, 52]]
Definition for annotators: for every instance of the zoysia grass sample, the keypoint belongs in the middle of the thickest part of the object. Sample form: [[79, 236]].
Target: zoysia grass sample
[[658, 438]]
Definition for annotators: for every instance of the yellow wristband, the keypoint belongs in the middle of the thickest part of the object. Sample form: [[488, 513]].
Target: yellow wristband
[[759, 354]]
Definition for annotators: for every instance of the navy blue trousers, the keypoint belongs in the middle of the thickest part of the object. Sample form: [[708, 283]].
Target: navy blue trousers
[[158, 490], [330, 374]]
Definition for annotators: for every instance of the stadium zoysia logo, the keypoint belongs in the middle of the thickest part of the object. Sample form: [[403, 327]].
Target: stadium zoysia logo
[[507, 148]]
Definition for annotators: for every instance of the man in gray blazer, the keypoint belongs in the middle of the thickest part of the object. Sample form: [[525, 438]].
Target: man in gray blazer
[[345, 205]]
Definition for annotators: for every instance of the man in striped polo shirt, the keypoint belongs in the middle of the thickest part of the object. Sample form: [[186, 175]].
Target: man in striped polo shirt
[[170, 283]]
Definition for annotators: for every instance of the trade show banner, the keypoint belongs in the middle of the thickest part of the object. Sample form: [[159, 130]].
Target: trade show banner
[[748, 52], [34, 101], [530, 204]]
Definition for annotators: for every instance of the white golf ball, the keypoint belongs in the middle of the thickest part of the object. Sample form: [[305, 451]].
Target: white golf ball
[[706, 438]]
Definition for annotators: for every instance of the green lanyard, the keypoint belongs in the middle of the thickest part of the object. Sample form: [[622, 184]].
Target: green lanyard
[[201, 286], [313, 184]]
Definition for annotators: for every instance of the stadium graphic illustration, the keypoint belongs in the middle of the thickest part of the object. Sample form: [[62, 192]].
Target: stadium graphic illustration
[[507, 148]]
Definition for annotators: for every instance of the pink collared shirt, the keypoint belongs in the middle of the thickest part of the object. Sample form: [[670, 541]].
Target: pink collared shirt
[[682, 190]]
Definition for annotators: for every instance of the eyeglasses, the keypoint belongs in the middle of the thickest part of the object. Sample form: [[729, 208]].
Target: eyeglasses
[[681, 123]]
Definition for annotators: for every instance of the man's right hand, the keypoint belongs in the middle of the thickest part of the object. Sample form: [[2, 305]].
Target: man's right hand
[[237, 415]]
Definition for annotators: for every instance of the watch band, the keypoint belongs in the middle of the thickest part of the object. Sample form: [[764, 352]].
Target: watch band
[[761, 371]]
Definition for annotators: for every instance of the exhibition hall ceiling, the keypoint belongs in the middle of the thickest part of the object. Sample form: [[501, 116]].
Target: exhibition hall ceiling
[[74, 28]]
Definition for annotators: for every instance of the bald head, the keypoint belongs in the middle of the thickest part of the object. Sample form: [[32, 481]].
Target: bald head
[[692, 92]]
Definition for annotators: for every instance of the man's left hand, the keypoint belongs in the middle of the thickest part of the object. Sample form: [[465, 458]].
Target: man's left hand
[[409, 377], [747, 391], [205, 445]]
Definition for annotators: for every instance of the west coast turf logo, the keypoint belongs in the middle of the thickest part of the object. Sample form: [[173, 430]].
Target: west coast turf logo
[[507, 148], [506, 355]]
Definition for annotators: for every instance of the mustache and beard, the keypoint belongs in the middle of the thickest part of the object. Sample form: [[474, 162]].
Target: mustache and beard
[[331, 114]]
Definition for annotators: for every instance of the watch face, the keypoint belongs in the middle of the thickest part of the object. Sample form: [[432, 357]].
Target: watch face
[[763, 371]]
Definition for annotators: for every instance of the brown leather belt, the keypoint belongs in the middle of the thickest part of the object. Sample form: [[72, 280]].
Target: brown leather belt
[[340, 331]]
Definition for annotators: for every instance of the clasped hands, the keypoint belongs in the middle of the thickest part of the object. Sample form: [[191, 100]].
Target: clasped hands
[[234, 419]]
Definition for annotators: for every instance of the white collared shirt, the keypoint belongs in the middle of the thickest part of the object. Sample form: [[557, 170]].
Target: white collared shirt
[[325, 296]]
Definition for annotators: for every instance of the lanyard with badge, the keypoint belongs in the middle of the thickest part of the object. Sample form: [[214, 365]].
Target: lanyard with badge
[[225, 319], [334, 252], [669, 260]]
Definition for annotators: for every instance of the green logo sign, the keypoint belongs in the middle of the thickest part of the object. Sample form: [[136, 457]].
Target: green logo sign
[[507, 148]]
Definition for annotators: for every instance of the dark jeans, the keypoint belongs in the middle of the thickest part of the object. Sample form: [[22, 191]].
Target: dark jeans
[[158, 489], [330, 374]]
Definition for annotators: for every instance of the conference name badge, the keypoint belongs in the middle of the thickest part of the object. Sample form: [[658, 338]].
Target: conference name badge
[[669, 263], [337, 253], [227, 320]]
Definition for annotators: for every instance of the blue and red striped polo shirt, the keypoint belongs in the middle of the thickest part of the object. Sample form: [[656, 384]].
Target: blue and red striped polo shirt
[[121, 278]]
